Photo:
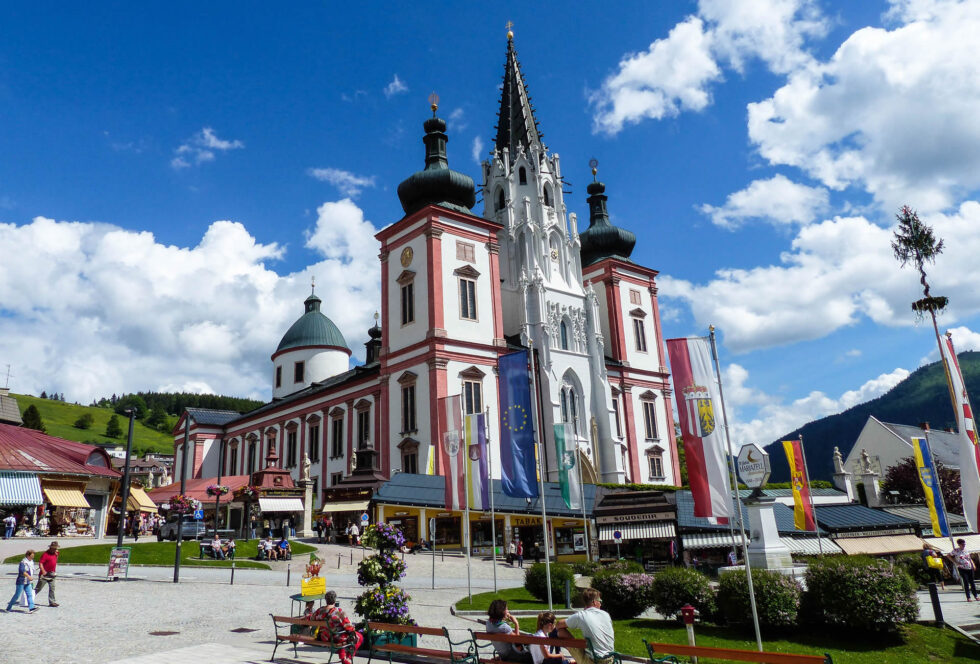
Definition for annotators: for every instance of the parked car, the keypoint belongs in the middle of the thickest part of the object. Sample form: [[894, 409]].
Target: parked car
[[192, 529]]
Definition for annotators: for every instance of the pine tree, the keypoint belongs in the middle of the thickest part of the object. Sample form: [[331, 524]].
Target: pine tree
[[44, 394], [32, 419], [112, 428]]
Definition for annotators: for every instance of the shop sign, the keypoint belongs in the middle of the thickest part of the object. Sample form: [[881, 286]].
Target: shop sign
[[313, 585], [753, 465], [445, 514], [630, 518], [119, 563], [401, 513], [525, 521]]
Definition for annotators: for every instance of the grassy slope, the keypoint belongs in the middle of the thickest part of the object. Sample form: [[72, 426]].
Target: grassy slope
[[922, 643], [59, 417], [162, 553]]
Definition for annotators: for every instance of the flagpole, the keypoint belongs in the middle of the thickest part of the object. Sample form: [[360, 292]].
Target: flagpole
[[541, 470], [939, 485], [581, 483], [466, 500], [493, 519], [809, 490], [728, 441]]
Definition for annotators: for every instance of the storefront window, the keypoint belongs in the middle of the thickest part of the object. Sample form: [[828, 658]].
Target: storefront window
[[482, 535], [409, 525], [448, 530], [569, 541]]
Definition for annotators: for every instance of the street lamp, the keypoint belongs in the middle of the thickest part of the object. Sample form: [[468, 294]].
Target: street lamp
[[183, 488], [125, 493]]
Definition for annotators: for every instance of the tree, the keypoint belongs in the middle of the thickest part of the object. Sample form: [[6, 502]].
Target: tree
[[133, 401], [112, 428], [85, 421], [44, 394], [32, 419], [914, 242], [157, 417], [903, 477]]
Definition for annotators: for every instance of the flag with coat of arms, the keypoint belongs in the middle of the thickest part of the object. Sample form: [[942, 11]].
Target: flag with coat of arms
[[969, 457], [451, 451], [568, 470]]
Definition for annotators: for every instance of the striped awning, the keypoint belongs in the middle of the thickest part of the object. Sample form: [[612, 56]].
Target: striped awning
[[138, 500], [804, 546], [879, 544], [20, 489], [280, 504], [645, 530], [350, 506], [65, 496], [943, 545]]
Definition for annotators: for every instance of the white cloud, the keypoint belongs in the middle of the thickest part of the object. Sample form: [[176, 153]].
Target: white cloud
[[477, 151], [397, 86], [776, 200], [200, 148], [674, 73], [91, 309], [346, 182], [772, 418], [894, 112], [963, 339], [836, 272]]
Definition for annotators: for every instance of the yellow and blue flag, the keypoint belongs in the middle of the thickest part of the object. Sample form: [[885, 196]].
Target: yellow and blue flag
[[930, 485]]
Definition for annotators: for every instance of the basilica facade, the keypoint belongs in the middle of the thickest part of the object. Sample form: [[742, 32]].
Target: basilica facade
[[458, 290]]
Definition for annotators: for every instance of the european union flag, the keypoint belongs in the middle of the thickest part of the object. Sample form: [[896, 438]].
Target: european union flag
[[518, 475]]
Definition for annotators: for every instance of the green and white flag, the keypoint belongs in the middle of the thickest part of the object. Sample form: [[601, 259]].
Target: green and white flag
[[568, 472]]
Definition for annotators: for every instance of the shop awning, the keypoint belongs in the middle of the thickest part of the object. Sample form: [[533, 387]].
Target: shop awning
[[943, 545], [280, 504], [879, 544], [63, 496], [807, 546], [138, 500], [349, 506], [645, 530], [20, 489]]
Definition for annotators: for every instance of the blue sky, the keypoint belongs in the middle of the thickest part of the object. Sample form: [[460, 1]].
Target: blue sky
[[171, 177]]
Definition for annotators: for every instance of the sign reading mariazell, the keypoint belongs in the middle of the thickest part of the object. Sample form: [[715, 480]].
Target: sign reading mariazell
[[753, 466]]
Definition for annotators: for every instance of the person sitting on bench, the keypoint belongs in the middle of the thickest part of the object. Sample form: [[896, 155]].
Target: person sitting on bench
[[595, 625], [216, 551], [498, 618], [340, 630], [541, 653], [285, 552]]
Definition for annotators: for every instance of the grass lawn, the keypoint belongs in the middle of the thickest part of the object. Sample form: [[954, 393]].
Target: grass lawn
[[59, 419], [162, 553], [921, 644]]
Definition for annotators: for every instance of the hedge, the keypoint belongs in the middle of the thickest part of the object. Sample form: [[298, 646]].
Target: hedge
[[777, 598]]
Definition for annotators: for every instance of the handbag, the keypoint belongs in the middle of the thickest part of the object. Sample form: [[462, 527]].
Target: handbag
[[935, 562]]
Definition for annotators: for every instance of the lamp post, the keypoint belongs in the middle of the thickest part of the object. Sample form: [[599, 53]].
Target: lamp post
[[125, 492], [217, 496], [183, 488]]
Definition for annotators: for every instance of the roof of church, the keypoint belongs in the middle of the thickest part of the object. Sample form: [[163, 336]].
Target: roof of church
[[312, 329], [516, 124], [601, 239], [437, 184]]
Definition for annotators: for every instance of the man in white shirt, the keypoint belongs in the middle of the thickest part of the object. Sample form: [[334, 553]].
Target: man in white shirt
[[964, 565], [355, 534], [595, 624], [9, 524]]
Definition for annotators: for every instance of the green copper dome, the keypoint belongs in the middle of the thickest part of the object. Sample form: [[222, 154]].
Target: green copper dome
[[601, 239], [312, 329], [437, 184]]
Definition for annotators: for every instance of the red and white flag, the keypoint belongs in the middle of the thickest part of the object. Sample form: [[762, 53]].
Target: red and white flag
[[702, 426], [452, 458], [969, 450]]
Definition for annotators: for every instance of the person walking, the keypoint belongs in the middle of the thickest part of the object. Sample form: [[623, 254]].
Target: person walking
[[9, 524], [595, 625], [48, 572], [512, 552], [25, 582], [520, 553], [964, 565], [933, 563], [251, 526], [355, 534]]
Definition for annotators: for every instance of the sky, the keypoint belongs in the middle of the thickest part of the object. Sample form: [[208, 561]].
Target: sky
[[172, 177]]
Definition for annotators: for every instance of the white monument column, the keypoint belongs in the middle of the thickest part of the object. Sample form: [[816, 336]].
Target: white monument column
[[305, 483], [765, 550]]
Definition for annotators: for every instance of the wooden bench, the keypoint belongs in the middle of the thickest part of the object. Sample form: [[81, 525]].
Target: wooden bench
[[297, 639], [383, 638], [733, 655], [525, 640]]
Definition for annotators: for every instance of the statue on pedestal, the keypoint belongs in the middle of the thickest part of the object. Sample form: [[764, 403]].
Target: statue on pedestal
[[306, 468]]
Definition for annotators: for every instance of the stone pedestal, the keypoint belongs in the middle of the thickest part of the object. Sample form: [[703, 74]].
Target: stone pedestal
[[766, 551], [305, 527], [872, 490]]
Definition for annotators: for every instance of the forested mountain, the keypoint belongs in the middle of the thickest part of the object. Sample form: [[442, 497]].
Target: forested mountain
[[922, 397]]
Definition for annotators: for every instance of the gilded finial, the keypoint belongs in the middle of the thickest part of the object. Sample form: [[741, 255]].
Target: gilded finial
[[376, 317], [510, 33], [434, 103], [594, 165], [312, 284]]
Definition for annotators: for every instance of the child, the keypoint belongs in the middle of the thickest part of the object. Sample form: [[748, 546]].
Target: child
[[546, 623]]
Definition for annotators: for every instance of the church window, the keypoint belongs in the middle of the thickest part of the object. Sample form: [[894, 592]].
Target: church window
[[619, 427], [299, 369], [279, 376], [314, 443], [639, 331], [233, 458], [337, 437], [500, 200], [656, 463], [335, 478], [364, 426], [410, 463], [635, 297], [563, 331], [408, 409], [465, 251], [291, 449], [522, 175], [573, 408], [408, 303], [547, 195], [649, 419], [563, 399], [472, 397], [251, 457], [467, 299]]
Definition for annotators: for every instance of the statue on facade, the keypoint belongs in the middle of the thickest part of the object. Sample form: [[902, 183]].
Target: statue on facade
[[838, 461], [865, 462], [353, 460], [306, 468]]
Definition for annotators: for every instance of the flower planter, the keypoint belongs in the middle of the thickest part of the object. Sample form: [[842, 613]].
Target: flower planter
[[384, 638]]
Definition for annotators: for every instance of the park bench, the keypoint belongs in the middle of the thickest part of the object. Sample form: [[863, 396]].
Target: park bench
[[578, 644], [206, 551], [386, 638], [300, 632], [732, 655]]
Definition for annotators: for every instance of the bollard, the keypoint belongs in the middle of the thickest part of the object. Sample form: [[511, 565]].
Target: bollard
[[937, 608], [289, 568], [352, 556], [338, 561], [232, 573], [443, 559], [568, 593]]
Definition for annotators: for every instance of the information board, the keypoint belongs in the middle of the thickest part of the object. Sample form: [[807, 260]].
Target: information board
[[119, 563]]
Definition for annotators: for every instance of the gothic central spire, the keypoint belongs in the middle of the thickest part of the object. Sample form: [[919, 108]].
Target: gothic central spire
[[516, 124]]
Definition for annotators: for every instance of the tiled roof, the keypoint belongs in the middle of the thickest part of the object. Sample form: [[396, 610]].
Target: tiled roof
[[430, 491], [921, 514], [687, 520], [197, 488], [945, 445], [209, 417], [859, 517], [9, 412], [33, 451]]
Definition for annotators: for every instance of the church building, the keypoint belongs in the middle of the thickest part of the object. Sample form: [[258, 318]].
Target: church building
[[459, 289]]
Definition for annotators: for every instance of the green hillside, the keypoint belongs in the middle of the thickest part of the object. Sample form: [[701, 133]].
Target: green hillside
[[922, 397], [59, 418]]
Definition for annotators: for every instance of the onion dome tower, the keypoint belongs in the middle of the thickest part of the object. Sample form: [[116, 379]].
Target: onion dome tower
[[437, 184], [602, 239], [313, 349]]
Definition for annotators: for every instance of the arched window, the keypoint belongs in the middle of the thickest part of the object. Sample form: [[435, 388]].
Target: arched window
[[522, 175], [564, 406], [547, 195], [500, 200], [563, 329], [573, 408]]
